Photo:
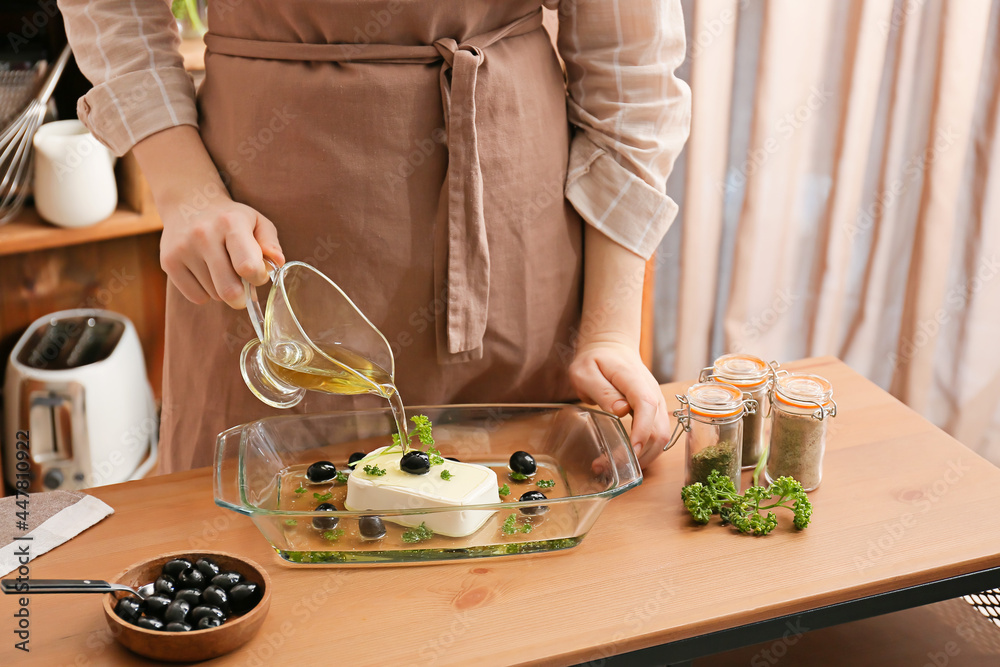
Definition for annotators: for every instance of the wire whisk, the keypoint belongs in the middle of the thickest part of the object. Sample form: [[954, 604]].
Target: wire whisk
[[15, 144]]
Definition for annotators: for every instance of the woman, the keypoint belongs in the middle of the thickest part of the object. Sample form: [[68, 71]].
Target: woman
[[423, 155]]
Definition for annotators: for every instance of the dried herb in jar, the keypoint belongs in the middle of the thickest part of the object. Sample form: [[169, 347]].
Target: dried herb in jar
[[721, 457], [753, 437], [797, 442]]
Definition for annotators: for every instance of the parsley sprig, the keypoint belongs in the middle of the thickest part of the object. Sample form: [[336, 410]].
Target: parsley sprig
[[374, 470], [422, 430], [510, 526], [446, 475], [719, 496], [418, 534], [545, 483], [504, 490]]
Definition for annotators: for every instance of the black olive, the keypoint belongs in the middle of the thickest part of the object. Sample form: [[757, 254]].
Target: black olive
[[534, 495], [192, 578], [207, 567], [227, 580], [217, 597], [150, 623], [165, 585], [208, 622], [354, 458], [177, 611], [321, 471], [415, 462], [245, 596], [204, 610], [190, 595], [157, 604], [324, 522], [176, 566], [523, 463], [130, 608], [371, 527], [177, 626]]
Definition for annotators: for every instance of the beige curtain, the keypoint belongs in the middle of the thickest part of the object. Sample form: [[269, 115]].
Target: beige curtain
[[840, 194]]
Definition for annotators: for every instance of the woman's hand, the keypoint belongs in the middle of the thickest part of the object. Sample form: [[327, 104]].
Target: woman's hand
[[207, 252], [209, 241], [612, 376]]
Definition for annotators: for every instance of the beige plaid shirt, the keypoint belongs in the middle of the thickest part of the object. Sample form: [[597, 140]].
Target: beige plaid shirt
[[632, 112]]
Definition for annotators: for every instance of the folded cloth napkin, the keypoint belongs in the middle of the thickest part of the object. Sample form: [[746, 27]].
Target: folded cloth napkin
[[53, 517]]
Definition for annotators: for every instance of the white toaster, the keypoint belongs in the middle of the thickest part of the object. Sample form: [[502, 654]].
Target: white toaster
[[76, 383]]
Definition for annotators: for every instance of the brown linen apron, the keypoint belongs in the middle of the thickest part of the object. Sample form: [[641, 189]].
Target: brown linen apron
[[415, 151]]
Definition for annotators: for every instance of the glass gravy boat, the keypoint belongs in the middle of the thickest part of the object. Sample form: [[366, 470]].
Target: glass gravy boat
[[312, 336]]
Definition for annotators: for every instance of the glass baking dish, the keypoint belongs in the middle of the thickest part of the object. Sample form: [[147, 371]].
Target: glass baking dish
[[260, 466]]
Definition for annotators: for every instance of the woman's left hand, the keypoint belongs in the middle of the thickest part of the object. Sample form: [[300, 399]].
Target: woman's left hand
[[612, 375]]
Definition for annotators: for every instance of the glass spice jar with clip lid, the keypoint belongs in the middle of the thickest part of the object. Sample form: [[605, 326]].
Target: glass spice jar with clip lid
[[711, 415], [801, 408], [753, 376]]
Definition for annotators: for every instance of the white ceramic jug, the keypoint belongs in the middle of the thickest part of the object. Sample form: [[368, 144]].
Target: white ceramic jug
[[74, 175]]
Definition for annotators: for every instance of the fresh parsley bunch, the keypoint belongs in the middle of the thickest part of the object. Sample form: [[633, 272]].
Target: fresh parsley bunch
[[719, 496]]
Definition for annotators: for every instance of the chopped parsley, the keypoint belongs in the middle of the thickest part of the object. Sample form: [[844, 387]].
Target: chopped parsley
[[418, 534], [333, 535], [545, 483], [374, 470], [510, 526], [446, 475], [435, 456], [323, 497], [504, 490], [518, 476], [291, 522], [342, 477], [301, 489]]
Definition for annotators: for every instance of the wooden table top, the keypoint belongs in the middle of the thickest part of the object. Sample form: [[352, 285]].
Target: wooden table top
[[901, 504]]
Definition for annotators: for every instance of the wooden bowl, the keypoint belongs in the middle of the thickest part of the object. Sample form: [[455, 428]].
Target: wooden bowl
[[197, 644]]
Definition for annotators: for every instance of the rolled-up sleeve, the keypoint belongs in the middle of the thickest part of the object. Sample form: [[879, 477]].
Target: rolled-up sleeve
[[128, 50], [632, 113]]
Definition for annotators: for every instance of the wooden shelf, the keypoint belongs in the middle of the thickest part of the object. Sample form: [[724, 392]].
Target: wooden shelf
[[29, 233]]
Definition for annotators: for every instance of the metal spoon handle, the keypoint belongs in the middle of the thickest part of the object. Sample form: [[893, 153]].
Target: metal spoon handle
[[13, 586]]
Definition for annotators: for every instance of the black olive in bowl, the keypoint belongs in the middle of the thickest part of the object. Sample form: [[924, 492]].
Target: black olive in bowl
[[227, 580], [157, 604], [190, 595], [208, 622], [130, 608], [207, 567], [177, 612], [177, 626], [176, 566], [217, 597], [204, 610], [244, 596], [150, 623], [165, 585], [192, 578]]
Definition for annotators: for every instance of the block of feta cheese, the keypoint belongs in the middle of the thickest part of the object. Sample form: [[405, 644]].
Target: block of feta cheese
[[470, 484]]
